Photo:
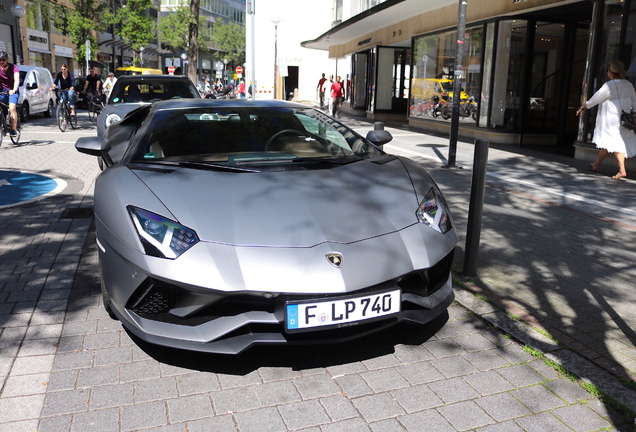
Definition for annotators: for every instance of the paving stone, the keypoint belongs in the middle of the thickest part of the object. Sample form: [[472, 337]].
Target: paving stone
[[189, 408], [417, 398], [349, 425], [109, 396], [155, 389], [13, 409], [542, 422], [315, 386], [217, 423], [420, 373], [489, 382], [234, 400], [151, 414], [110, 356], [25, 385], [521, 375], [32, 364], [384, 380], [581, 418], [276, 393], [465, 415], [139, 370], [454, 366], [63, 380], [66, 402], [453, 390], [55, 424], [338, 408], [98, 376], [377, 407], [502, 407], [303, 414], [261, 420], [538, 398], [73, 360], [231, 381], [426, 421], [444, 348], [103, 420], [353, 386]]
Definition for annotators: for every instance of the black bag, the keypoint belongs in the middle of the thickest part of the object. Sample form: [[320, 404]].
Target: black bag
[[627, 120]]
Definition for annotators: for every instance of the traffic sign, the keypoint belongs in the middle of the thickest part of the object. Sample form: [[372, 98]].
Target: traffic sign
[[171, 70], [239, 70]]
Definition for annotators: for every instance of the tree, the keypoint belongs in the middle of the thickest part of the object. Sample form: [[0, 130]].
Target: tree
[[193, 39], [81, 22], [174, 30], [136, 27], [229, 38]]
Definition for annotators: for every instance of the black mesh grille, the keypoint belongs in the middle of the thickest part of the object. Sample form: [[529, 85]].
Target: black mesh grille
[[426, 282], [154, 298]]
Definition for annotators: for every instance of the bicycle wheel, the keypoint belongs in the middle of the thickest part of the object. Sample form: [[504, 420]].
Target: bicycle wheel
[[1, 127], [91, 111], [16, 139], [72, 119], [61, 117]]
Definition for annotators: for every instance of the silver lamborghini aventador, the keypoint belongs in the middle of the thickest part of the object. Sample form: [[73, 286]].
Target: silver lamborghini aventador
[[225, 224]]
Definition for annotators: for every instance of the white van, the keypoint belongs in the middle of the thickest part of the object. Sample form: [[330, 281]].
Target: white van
[[36, 95]]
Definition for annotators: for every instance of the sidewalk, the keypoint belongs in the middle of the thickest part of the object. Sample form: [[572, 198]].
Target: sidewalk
[[556, 263]]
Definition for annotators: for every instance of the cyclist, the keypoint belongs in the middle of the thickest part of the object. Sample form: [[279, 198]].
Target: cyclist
[[109, 83], [65, 78], [9, 82], [93, 84]]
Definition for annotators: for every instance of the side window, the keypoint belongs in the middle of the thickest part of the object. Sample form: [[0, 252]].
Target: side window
[[32, 80]]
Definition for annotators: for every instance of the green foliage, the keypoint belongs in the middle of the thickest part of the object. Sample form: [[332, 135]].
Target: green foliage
[[80, 24], [174, 30], [135, 26], [229, 38]]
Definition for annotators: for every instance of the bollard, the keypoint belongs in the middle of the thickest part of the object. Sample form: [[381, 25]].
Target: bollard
[[476, 207]]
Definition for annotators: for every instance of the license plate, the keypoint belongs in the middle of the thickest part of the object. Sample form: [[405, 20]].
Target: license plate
[[317, 315]]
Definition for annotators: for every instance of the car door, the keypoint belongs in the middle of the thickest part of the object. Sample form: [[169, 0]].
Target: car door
[[31, 91], [40, 92]]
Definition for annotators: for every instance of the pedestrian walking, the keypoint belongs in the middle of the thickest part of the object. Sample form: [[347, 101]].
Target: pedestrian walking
[[614, 97], [327, 86], [337, 93], [321, 91], [241, 90]]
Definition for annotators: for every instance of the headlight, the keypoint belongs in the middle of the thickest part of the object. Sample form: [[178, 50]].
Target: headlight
[[162, 237], [110, 119], [433, 211]]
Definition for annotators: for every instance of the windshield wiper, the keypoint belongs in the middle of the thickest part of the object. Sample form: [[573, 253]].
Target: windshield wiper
[[194, 164], [342, 160], [214, 166]]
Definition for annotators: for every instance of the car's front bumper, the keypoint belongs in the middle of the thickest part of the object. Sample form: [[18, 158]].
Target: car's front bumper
[[224, 299]]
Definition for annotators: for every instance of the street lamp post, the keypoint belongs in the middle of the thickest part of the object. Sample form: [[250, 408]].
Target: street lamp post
[[141, 56], [225, 62], [183, 56], [18, 11], [276, 21]]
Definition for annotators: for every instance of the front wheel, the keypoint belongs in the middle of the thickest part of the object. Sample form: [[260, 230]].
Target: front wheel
[[49, 109], [24, 111], [92, 112], [15, 139], [72, 119], [61, 117]]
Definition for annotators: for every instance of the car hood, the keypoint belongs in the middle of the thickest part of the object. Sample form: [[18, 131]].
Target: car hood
[[289, 208]]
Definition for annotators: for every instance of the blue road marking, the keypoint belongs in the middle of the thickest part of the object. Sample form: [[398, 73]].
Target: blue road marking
[[17, 187], [292, 316]]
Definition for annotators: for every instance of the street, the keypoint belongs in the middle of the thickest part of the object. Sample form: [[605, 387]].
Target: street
[[558, 248]]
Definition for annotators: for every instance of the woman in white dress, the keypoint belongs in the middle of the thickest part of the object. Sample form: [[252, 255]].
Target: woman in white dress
[[614, 96]]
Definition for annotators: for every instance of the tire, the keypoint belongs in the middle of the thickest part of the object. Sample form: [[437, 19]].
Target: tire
[[24, 111], [49, 109], [16, 139], [91, 111], [73, 120], [446, 113], [61, 117]]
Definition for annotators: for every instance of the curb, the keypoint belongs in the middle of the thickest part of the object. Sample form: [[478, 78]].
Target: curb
[[467, 294]]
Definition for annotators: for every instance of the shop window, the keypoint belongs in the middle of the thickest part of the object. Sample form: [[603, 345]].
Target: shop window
[[433, 75]]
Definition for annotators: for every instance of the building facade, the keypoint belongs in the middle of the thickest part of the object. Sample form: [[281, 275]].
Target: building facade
[[527, 64]]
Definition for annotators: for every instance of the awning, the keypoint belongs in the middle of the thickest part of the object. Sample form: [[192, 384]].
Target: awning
[[40, 50], [117, 43], [381, 16], [95, 64]]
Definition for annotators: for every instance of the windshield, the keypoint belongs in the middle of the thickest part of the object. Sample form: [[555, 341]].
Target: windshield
[[151, 91], [248, 136]]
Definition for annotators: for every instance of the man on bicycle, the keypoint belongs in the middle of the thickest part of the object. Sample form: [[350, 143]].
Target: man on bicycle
[[9, 82], [93, 84]]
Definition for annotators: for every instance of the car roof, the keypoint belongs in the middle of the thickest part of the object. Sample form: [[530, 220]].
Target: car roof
[[147, 77], [187, 103]]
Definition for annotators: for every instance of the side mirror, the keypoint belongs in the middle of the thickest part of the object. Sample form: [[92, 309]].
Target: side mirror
[[378, 135], [94, 146]]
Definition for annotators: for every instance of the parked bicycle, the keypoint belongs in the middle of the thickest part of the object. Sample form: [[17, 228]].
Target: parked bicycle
[[64, 117], [5, 123], [95, 105]]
